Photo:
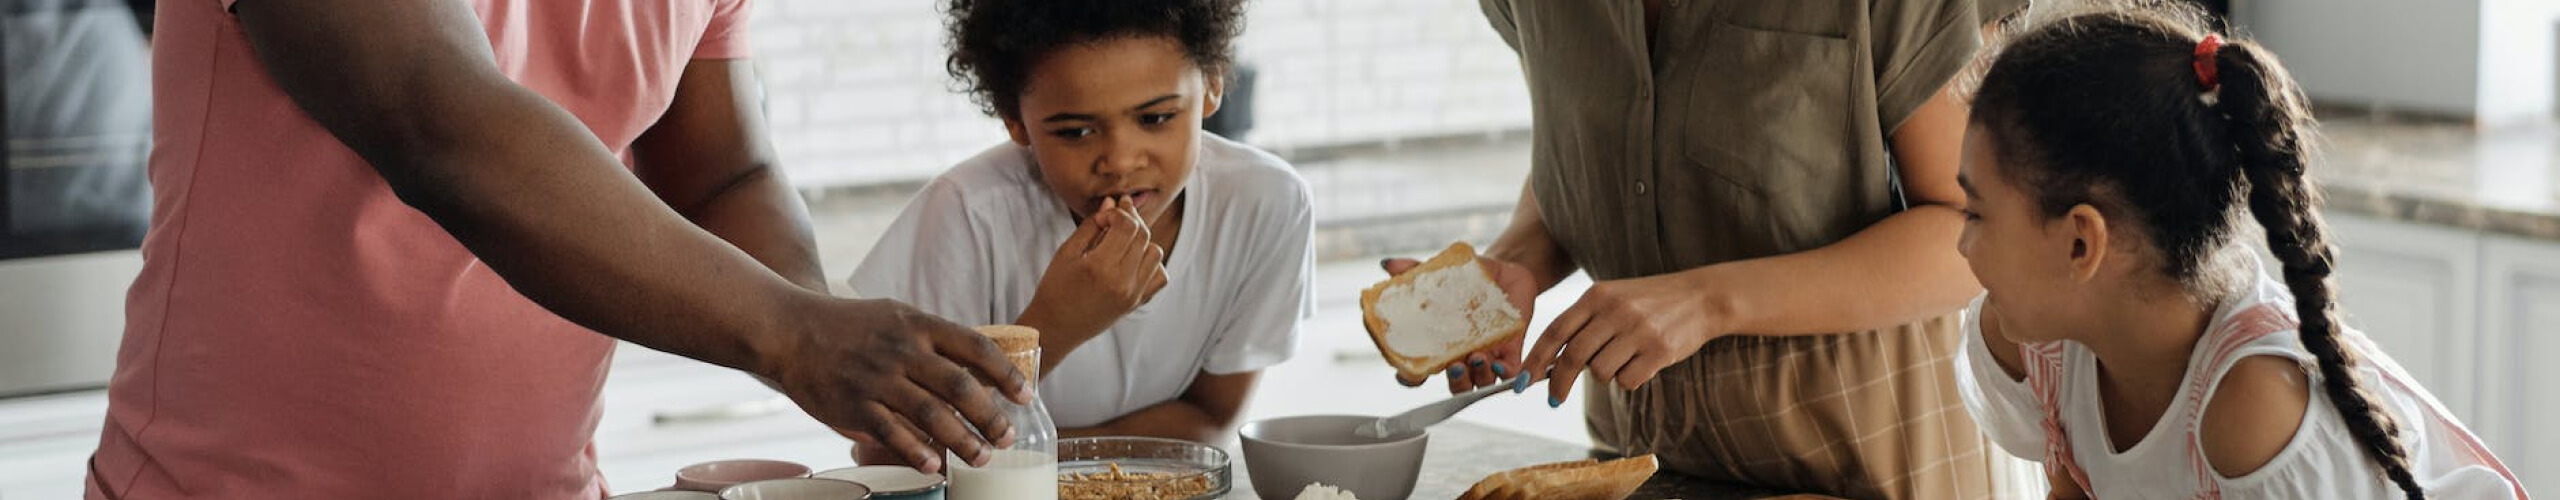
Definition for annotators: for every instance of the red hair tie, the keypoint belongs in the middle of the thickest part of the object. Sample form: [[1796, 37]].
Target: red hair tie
[[2206, 52]]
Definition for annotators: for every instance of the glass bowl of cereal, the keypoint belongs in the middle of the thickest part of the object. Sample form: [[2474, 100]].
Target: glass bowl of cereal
[[1137, 468]]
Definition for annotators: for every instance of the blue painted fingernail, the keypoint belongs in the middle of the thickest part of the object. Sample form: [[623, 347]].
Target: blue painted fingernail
[[1519, 385], [1498, 371], [1456, 371], [1555, 402], [1476, 363], [1385, 261]]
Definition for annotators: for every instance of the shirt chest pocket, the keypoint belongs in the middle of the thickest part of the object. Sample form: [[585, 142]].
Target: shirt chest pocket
[[1768, 112], [1763, 101]]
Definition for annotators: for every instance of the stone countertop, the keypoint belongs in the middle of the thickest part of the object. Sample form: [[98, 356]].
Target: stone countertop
[[2499, 181], [1463, 452]]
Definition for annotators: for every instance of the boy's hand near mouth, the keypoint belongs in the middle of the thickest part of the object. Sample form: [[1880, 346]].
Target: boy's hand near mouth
[[1108, 268]]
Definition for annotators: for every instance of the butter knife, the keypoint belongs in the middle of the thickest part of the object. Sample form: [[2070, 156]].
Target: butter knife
[[1430, 414]]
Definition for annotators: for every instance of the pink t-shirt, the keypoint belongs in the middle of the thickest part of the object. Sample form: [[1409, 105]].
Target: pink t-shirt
[[298, 332]]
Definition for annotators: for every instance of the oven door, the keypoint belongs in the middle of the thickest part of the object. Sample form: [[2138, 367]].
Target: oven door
[[74, 196]]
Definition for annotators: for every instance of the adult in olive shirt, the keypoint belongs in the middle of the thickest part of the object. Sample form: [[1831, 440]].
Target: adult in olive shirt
[[1733, 174]]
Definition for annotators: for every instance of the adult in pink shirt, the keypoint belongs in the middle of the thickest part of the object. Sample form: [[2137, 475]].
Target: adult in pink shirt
[[389, 234]]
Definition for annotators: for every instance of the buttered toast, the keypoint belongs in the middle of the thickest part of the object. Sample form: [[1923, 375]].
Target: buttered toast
[[1439, 312]]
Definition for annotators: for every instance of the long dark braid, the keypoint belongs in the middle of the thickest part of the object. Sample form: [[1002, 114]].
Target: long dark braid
[[2107, 109], [2267, 115]]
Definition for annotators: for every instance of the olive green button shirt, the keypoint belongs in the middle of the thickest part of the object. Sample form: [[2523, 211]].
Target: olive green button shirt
[[1756, 128], [1748, 129]]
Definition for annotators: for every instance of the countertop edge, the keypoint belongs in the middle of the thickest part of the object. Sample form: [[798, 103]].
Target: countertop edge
[[2400, 205]]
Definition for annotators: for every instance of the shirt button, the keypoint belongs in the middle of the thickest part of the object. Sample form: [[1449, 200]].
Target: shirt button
[[1644, 93], [1641, 188]]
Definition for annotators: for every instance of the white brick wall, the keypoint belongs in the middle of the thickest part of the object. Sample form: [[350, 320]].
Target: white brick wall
[[857, 92]]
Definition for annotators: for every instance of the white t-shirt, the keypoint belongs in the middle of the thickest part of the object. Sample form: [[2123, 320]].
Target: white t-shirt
[[2323, 459], [973, 244]]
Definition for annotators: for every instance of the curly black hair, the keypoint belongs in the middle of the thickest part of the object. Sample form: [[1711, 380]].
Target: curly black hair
[[994, 43]]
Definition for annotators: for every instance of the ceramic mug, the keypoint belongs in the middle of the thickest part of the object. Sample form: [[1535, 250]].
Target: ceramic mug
[[711, 477], [891, 482], [797, 489]]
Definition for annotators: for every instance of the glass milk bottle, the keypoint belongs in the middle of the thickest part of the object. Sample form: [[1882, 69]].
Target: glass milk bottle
[[1029, 469]]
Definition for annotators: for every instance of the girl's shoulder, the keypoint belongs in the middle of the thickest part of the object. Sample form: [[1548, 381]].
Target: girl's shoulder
[[2257, 408], [2254, 381], [2320, 458]]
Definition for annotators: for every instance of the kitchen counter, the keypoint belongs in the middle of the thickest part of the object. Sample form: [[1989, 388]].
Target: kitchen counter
[[2499, 181], [1463, 452]]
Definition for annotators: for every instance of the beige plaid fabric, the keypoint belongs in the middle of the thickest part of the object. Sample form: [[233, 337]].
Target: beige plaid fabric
[[1869, 415]]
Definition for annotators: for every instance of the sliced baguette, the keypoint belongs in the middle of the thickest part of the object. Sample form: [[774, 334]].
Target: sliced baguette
[[1433, 316], [1506, 484], [1581, 480]]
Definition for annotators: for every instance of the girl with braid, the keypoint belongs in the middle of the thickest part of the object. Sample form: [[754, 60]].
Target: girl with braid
[[2127, 338]]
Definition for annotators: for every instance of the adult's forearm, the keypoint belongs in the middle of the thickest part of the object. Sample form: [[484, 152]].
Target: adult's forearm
[[762, 216], [533, 194], [413, 88], [1525, 241], [1902, 269], [548, 208]]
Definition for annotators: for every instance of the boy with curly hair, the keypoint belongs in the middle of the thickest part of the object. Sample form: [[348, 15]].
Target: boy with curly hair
[[1164, 266]]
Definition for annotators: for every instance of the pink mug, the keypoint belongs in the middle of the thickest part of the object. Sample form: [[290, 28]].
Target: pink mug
[[711, 477]]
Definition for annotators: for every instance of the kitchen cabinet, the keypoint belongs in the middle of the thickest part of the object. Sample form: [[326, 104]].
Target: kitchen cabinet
[[2472, 316], [2519, 318], [2412, 289]]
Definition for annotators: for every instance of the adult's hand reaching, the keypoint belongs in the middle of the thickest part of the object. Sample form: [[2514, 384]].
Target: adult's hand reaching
[[413, 87], [897, 380]]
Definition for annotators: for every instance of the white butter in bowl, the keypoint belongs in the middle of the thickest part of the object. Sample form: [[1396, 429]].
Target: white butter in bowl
[[1319, 491]]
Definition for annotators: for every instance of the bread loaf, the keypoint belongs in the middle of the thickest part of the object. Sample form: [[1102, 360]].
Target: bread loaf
[[1580, 480]]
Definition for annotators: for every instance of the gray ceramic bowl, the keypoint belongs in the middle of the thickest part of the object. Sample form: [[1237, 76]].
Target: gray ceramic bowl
[[1283, 455]]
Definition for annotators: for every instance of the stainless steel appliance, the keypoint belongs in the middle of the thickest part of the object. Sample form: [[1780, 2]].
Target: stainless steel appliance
[[73, 196]]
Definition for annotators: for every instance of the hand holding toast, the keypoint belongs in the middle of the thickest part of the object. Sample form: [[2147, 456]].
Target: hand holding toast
[[1499, 361]]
